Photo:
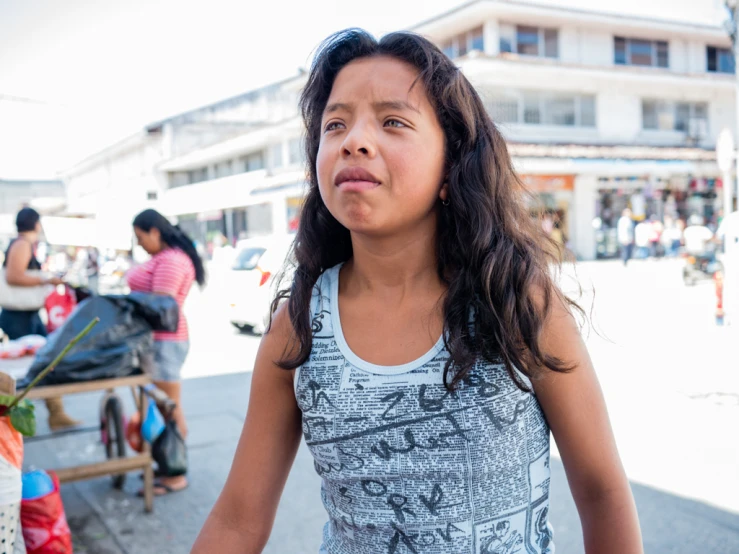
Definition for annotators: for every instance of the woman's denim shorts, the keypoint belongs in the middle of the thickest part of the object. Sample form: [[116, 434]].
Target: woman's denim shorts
[[169, 357]]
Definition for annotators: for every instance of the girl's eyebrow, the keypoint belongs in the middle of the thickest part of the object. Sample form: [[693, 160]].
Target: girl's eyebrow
[[400, 105], [337, 107]]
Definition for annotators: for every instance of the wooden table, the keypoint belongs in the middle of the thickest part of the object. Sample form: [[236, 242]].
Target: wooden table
[[115, 466]]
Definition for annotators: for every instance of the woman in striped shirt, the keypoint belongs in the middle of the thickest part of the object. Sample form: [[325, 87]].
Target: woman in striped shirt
[[173, 267]]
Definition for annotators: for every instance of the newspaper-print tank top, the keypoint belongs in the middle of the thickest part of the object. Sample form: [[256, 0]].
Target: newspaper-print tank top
[[409, 467]]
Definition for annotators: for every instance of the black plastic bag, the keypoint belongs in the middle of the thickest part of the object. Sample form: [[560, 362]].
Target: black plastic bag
[[160, 311], [169, 451], [114, 348]]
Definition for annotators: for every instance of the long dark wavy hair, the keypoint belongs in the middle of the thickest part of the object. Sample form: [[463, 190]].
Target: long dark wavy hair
[[172, 236], [492, 255]]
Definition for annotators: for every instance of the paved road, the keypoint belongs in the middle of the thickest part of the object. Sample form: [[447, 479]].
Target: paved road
[[668, 376]]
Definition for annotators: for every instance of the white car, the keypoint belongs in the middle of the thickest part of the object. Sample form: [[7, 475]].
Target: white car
[[252, 280]]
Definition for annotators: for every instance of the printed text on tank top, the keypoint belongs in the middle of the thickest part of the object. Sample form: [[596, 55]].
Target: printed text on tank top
[[409, 466]]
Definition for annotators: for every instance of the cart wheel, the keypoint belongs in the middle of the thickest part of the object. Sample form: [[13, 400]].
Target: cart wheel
[[115, 443]]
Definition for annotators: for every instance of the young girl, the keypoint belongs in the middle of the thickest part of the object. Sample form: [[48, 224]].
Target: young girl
[[423, 351]]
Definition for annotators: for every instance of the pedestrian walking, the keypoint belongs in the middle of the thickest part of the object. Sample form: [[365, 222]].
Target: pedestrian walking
[[172, 269], [423, 349], [625, 234]]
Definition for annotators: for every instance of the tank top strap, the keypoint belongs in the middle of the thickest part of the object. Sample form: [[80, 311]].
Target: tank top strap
[[33, 263], [320, 305], [320, 311]]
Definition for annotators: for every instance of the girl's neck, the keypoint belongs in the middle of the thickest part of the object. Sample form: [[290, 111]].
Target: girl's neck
[[398, 263]]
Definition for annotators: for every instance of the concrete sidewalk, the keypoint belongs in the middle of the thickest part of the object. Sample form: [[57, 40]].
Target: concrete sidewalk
[[106, 521]]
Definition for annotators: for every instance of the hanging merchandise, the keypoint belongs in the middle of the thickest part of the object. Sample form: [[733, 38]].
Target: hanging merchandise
[[11, 460], [169, 451], [44, 523], [59, 305], [153, 424]]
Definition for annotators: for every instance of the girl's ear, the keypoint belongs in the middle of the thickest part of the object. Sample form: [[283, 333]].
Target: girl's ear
[[444, 192]]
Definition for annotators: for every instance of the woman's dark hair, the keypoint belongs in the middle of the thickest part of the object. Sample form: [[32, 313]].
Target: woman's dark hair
[[173, 236], [492, 255], [26, 220]]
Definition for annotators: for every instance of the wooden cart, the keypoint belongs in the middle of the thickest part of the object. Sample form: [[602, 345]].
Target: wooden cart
[[118, 462]]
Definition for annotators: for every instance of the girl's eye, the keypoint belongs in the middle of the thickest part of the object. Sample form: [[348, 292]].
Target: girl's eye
[[333, 126], [394, 123]]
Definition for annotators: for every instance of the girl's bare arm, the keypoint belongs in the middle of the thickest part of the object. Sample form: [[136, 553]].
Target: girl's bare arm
[[574, 406], [242, 518]]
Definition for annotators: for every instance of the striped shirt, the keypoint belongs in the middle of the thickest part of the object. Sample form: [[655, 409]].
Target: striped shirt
[[171, 272]]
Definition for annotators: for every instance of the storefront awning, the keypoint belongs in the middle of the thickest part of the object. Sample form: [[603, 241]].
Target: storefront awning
[[604, 167], [235, 191], [611, 152]]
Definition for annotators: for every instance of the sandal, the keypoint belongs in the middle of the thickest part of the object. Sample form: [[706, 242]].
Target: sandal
[[164, 489]]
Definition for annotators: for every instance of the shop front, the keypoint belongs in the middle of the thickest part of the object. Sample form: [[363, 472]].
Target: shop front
[[552, 202], [674, 198]]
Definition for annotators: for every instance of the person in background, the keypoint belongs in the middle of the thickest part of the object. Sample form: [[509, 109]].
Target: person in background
[[172, 269], [625, 233], [655, 236], [697, 237], [19, 259], [642, 233], [93, 269], [671, 237], [559, 238]]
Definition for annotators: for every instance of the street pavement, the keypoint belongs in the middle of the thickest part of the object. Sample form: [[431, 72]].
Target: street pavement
[[667, 372]]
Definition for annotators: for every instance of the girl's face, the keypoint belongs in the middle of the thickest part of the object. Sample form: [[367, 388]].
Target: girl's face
[[150, 241], [380, 160]]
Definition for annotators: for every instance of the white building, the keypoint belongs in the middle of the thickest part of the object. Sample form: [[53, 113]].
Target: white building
[[145, 169], [602, 110]]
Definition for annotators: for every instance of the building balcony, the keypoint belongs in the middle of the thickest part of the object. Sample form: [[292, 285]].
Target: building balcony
[[234, 191]]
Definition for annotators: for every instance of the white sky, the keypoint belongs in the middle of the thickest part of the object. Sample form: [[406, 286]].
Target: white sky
[[100, 70]]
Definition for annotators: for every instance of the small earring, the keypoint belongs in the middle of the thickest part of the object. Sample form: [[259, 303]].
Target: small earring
[[445, 203]]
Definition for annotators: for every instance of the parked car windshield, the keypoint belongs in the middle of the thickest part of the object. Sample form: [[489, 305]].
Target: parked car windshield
[[248, 258]]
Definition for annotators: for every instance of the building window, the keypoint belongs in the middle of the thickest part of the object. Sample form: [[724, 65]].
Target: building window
[[560, 110], [197, 175], [529, 41], [542, 108], [275, 156], [475, 40], [223, 169], [719, 60], [684, 117], [463, 43], [179, 179], [648, 53], [503, 108], [254, 161], [296, 155]]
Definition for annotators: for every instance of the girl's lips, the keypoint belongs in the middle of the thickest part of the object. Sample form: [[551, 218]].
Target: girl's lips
[[357, 186]]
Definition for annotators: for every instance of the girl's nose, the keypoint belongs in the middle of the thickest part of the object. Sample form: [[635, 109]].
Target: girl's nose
[[358, 142]]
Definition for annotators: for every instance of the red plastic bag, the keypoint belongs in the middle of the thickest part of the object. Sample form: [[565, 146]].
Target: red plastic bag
[[44, 524], [58, 307]]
